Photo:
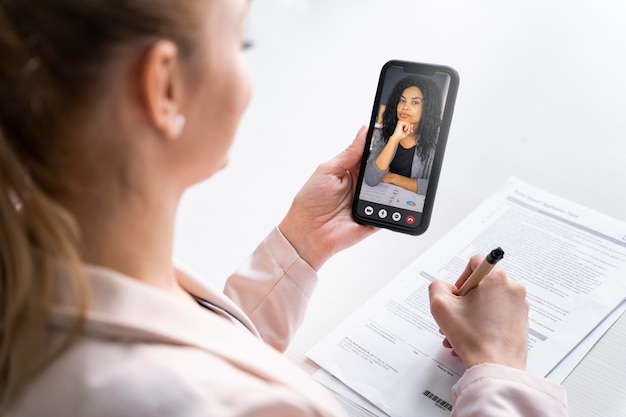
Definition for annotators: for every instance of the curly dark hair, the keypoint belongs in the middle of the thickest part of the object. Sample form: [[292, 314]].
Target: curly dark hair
[[431, 113]]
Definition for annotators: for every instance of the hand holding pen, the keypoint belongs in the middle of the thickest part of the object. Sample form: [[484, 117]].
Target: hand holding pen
[[489, 323], [481, 271]]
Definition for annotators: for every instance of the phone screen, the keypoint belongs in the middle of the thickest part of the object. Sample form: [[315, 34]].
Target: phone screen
[[405, 145]]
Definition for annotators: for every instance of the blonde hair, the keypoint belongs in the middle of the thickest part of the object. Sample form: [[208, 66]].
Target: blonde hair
[[54, 57]]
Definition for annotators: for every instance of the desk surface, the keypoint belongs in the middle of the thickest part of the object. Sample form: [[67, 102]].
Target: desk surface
[[542, 97]]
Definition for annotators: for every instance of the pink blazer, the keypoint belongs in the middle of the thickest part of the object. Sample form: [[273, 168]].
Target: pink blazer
[[144, 352]]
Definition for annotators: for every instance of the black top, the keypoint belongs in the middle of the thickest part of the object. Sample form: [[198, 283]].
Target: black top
[[402, 161]]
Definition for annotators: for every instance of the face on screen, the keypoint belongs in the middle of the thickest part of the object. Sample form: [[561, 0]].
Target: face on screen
[[405, 144]]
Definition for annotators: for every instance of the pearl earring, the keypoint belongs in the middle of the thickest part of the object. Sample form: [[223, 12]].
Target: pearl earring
[[178, 124]]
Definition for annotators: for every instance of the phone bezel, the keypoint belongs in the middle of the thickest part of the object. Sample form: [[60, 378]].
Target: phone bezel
[[419, 227]]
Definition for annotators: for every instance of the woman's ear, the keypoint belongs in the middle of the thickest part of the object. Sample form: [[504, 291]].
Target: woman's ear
[[161, 88]]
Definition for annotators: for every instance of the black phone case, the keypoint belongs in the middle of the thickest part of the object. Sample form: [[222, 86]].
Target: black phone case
[[410, 222]]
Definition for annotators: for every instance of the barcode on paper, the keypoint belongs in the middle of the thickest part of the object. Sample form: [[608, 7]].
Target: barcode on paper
[[439, 402]]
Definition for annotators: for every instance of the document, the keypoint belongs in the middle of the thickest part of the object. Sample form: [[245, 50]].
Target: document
[[393, 196], [572, 261]]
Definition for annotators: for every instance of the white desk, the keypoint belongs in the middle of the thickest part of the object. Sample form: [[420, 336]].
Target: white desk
[[542, 97]]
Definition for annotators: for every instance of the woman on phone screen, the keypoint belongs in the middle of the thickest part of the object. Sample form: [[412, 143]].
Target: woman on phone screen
[[403, 149]]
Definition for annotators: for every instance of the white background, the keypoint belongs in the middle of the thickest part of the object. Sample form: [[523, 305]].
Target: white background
[[542, 97]]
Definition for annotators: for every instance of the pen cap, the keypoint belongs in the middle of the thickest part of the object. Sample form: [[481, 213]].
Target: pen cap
[[495, 255]]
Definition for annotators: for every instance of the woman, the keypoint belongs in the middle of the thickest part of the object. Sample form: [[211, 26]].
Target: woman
[[109, 111], [403, 150]]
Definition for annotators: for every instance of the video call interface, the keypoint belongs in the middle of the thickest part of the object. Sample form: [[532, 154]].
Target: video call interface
[[385, 201]]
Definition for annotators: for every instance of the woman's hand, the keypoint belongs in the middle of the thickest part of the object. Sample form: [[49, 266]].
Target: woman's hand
[[489, 324], [319, 222], [384, 158], [402, 130]]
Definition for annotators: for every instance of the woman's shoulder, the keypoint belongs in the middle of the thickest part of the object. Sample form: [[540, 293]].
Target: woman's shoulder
[[122, 378], [377, 138], [119, 377]]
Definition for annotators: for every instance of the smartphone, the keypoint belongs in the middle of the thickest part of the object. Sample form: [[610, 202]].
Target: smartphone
[[405, 144]]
